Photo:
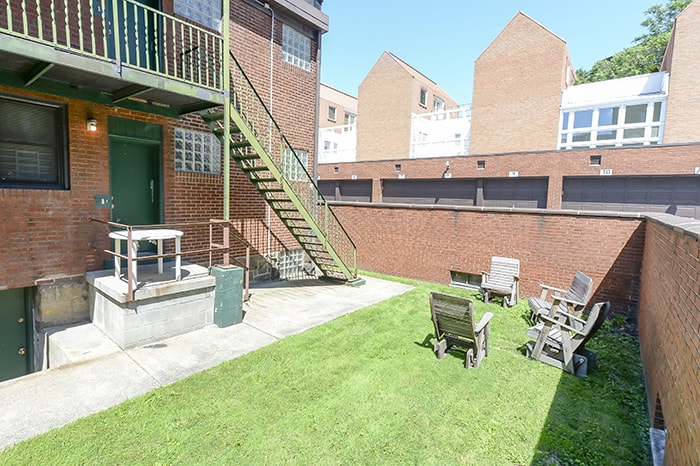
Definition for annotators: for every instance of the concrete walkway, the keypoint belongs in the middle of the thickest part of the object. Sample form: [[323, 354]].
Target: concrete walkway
[[101, 375]]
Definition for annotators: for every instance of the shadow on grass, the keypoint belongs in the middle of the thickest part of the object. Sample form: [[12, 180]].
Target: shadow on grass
[[602, 416]]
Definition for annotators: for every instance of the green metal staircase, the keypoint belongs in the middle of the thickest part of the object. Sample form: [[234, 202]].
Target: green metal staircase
[[262, 151]]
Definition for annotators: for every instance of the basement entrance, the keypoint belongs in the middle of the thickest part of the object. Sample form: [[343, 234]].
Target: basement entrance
[[15, 333]]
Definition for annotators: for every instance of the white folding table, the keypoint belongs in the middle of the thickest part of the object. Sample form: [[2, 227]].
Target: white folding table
[[158, 235]]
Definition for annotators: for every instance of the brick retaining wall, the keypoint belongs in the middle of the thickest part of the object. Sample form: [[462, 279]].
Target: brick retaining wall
[[669, 333]]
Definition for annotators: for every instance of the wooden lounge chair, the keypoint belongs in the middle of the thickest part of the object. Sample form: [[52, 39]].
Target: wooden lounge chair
[[561, 338], [502, 280], [575, 298], [453, 318]]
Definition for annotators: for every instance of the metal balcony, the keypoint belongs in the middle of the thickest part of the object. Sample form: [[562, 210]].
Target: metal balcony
[[118, 50]]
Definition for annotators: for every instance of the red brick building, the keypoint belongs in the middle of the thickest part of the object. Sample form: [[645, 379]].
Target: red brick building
[[99, 123]]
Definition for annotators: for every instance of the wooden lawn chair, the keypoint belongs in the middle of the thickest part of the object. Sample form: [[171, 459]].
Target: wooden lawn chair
[[574, 299], [453, 318], [502, 280], [561, 338]]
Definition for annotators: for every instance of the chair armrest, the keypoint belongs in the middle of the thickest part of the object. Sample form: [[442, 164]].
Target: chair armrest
[[483, 322], [546, 289], [556, 323], [552, 288], [557, 298]]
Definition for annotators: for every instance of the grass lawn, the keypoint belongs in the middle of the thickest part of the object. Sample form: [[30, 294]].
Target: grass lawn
[[367, 389]]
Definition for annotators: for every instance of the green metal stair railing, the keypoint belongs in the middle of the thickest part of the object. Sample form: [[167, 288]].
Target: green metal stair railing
[[264, 154]]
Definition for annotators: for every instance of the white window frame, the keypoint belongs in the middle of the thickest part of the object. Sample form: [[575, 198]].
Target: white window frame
[[567, 135], [296, 47], [438, 104], [423, 97], [332, 112]]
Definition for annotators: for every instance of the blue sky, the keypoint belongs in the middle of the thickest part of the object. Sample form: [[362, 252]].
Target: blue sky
[[443, 38]]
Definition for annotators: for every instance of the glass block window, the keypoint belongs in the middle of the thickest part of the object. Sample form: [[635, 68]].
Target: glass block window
[[205, 12], [291, 263], [197, 151], [294, 168], [296, 48], [33, 149]]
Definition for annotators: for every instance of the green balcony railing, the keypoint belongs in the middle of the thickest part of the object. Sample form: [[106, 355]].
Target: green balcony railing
[[122, 32]]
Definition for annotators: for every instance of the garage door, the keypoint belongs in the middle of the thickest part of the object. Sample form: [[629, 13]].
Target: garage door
[[447, 191], [524, 193], [346, 190], [678, 195]]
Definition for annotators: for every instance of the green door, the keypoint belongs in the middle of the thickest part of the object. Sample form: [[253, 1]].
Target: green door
[[15, 350], [134, 183]]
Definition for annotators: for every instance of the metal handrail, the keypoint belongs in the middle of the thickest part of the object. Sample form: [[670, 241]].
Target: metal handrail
[[228, 235], [267, 130]]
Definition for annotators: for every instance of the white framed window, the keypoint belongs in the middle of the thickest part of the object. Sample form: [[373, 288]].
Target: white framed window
[[197, 152], [295, 164], [296, 47], [423, 100], [631, 124], [350, 118], [331, 113], [438, 104]]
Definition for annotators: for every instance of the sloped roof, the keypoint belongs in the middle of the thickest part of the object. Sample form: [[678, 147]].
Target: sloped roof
[[416, 74]]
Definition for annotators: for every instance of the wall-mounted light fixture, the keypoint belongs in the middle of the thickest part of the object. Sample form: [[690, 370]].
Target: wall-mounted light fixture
[[92, 124], [445, 174]]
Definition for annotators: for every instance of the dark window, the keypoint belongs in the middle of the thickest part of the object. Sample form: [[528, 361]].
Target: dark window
[[33, 139]]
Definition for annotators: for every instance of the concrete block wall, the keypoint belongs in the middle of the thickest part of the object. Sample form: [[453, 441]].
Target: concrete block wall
[[142, 322], [669, 332], [426, 243]]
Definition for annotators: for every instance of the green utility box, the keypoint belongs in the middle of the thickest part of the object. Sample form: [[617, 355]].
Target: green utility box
[[228, 296]]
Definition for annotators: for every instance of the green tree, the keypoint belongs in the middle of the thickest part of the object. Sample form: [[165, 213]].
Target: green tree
[[646, 54]]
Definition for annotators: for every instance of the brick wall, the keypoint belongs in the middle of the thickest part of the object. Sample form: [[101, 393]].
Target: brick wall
[[683, 109], [649, 160], [518, 81], [426, 243], [669, 332], [384, 108], [45, 235]]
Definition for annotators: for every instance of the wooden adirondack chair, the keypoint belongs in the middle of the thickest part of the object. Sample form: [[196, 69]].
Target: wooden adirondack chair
[[575, 298], [502, 280], [561, 338], [453, 318]]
